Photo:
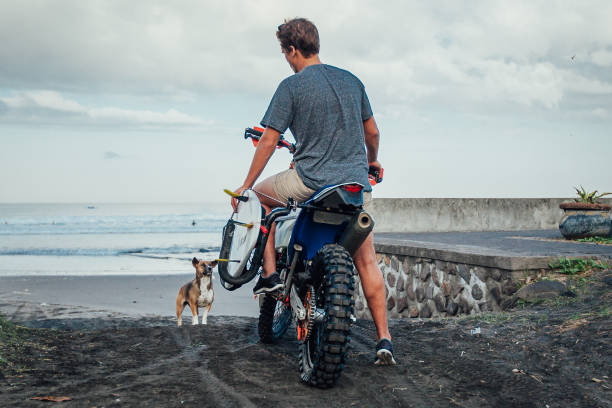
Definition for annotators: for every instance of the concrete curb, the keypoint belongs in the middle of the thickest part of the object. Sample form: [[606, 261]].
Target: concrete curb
[[461, 254]]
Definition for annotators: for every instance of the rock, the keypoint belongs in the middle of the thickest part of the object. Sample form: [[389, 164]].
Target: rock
[[457, 288], [420, 294], [390, 303], [414, 312], [386, 260], [440, 302], [425, 273], [509, 287], [495, 294], [358, 305], [508, 303], [464, 305], [425, 311], [409, 291], [464, 272], [446, 288], [391, 279], [394, 263], [483, 306], [399, 287], [452, 308], [481, 272], [492, 306], [496, 274], [539, 290], [402, 304], [406, 265], [435, 277], [476, 292], [429, 292], [440, 266], [608, 280], [451, 269]]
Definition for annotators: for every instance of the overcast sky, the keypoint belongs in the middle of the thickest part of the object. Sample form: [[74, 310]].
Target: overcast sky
[[140, 101]]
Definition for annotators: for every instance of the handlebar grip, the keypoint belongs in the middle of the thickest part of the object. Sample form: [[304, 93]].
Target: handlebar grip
[[375, 176], [257, 132], [254, 133]]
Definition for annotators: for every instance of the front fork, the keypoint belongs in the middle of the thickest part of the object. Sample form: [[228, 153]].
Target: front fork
[[289, 295]]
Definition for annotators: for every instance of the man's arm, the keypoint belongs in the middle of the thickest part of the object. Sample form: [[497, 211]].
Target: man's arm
[[265, 150], [372, 135]]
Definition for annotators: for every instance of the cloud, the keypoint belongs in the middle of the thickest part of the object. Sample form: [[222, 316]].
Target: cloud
[[43, 100], [603, 58], [412, 56], [111, 155], [50, 105], [600, 113]]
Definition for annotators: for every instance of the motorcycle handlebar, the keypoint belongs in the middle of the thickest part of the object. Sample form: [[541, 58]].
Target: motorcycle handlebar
[[255, 135]]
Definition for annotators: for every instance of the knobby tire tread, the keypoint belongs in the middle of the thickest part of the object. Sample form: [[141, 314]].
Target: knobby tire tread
[[266, 321], [339, 287]]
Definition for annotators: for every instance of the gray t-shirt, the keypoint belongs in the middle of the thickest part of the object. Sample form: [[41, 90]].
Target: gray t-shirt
[[324, 107]]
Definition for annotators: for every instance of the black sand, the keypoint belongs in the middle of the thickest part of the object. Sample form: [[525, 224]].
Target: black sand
[[557, 355]]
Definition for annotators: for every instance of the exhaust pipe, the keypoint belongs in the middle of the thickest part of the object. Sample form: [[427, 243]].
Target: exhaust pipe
[[357, 230]]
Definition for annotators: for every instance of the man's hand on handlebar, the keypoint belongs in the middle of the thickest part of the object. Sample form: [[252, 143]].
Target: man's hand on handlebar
[[375, 172], [375, 165]]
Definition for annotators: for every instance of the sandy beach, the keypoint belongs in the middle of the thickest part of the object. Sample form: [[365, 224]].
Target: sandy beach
[[128, 295]]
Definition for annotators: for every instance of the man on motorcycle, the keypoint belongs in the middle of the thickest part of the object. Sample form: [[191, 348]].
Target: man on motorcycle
[[329, 114]]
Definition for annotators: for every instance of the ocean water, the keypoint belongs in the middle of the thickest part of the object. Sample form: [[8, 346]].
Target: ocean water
[[107, 239]]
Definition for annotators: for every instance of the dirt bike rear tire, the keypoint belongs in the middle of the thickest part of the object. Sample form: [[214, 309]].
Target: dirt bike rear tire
[[321, 358], [274, 319]]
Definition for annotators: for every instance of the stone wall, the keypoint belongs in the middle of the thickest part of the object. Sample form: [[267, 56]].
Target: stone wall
[[422, 287]]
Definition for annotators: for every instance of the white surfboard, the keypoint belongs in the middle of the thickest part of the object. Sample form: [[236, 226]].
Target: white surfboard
[[245, 237]]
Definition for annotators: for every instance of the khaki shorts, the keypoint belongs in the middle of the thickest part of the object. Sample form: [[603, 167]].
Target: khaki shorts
[[289, 184]]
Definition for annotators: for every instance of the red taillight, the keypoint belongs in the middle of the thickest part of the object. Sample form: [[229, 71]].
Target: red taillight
[[353, 188], [258, 129]]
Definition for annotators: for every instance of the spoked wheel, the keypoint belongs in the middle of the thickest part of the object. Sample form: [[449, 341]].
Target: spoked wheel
[[274, 319], [321, 357]]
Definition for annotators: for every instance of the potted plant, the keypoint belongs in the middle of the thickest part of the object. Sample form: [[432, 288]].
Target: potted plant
[[585, 217]]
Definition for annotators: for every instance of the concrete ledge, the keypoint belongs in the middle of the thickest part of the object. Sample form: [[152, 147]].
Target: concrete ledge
[[466, 214], [462, 254]]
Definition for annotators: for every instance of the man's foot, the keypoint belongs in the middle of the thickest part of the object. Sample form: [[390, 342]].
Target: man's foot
[[384, 353], [269, 284]]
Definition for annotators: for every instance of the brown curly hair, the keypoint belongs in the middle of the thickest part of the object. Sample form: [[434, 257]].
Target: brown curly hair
[[301, 34]]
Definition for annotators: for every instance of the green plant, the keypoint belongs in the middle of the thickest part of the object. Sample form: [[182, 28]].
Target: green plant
[[8, 337], [597, 240], [572, 266], [605, 311], [586, 197]]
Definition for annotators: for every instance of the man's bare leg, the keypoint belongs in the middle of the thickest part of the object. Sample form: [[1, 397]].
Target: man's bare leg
[[269, 259], [373, 286]]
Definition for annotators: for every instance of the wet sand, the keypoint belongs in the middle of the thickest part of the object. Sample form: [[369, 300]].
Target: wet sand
[[129, 295]]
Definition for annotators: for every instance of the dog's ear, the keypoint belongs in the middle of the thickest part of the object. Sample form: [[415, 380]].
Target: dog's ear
[[213, 263], [194, 261]]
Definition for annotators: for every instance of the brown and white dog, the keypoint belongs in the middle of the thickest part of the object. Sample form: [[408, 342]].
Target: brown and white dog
[[198, 292]]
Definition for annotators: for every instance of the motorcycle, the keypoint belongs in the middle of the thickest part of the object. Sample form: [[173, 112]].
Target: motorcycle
[[314, 244]]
